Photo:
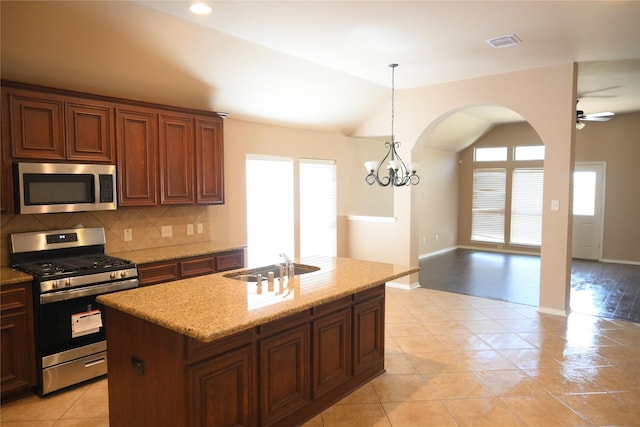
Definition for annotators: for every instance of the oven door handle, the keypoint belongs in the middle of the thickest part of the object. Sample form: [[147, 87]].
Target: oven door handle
[[89, 290]]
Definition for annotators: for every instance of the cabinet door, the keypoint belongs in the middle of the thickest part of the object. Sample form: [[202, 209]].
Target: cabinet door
[[137, 159], [331, 351], [197, 266], [176, 159], [157, 272], [222, 390], [36, 125], [368, 334], [284, 374], [16, 340], [6, 181], [209, 161], [89, 131], [230, 260]]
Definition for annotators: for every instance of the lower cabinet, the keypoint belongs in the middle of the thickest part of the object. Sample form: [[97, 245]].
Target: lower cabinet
[[284, 374], [222, 390], [166, 271], [17, 339], [280, 373]]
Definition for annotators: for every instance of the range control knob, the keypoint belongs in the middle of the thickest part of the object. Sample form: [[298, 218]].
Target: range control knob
[[123, 273], [55, 284], [67, 283], [113, 274]]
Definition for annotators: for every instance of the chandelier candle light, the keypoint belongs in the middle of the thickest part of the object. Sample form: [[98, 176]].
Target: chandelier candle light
[[398, 173]]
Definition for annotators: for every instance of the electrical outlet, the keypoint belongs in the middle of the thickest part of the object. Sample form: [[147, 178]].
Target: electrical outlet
[[189, 229], [437, 237], [128, 235], [200, 229], [167, 231]]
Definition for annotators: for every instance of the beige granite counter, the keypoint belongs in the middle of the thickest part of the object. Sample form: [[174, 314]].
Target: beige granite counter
[[9, 276], [211, 307], [144, 256]]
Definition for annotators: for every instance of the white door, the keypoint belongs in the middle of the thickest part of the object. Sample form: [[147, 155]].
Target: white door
[[588, 210]]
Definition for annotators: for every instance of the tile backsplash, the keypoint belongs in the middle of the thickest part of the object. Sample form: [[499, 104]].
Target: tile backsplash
[[145, 224]]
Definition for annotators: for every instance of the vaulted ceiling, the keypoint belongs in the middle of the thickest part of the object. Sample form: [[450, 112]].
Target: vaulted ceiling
[[316, 64]]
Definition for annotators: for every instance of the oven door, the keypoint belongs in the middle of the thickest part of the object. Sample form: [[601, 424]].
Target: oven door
[[71, 335], [72, 318]]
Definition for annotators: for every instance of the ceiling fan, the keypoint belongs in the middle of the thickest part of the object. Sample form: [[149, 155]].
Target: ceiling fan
[[603, 116]]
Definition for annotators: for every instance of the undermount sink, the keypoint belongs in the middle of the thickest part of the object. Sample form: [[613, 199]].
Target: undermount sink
[[251, 275]]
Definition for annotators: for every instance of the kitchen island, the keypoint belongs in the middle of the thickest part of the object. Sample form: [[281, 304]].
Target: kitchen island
[[214, 351]]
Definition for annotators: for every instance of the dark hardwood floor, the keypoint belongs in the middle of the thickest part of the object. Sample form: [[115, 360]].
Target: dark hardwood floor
[[601, 289]]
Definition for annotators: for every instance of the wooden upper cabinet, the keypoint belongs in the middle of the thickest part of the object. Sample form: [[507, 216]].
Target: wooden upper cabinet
[[136, 143], [36, 125], [176, 155], [209, 160], [164, 155], [89, 129]]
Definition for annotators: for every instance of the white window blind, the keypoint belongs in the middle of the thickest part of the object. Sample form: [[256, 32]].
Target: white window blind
[[489, 188], [526, 206], [317, 207]]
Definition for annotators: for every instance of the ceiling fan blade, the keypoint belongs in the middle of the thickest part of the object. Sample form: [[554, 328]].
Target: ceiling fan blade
[[601, 114], [594, 118]]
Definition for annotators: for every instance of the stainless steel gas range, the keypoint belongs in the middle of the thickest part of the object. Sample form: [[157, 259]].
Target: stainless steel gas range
[[70, 269]]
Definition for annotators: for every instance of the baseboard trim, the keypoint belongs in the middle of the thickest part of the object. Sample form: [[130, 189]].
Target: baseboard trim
[[439, 252], [620, 261], [554, 311], [405, 286]]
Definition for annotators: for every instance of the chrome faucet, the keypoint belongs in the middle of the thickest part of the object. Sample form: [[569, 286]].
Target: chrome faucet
[[287, 261], [287, 266]]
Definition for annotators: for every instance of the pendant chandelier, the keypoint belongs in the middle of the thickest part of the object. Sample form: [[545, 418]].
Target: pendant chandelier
[[398, 175]]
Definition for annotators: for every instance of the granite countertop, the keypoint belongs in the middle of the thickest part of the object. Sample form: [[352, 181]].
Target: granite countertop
[[143, 256], [211, 307], [9, 276]]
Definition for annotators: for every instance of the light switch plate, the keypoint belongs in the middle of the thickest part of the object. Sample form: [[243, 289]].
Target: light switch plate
[[555, 205], [128, 235], [200, 229]]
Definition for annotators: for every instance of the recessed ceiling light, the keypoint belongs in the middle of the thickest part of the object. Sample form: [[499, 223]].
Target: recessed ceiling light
[[504, 41], [200, 9]]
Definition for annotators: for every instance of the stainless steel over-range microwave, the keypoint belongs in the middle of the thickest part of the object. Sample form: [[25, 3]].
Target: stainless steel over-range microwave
[[64, 187]]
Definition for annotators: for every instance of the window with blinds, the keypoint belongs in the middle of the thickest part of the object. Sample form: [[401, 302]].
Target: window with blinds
[[526, 206], [317, 207], [487, 216]]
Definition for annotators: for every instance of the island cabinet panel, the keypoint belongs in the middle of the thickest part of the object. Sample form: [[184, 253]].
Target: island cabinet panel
[[285, 375], [279, 373], [89, 131], [176, 155], [36, 125], [209, 160], [223, 390], [146, 374], [17, 340], [331, 351], [368, 333], [137, 158]]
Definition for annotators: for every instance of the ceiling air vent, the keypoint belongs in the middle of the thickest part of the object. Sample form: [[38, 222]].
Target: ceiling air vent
[[504, 41]]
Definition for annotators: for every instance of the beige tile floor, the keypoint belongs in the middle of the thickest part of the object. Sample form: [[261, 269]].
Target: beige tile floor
[[453, 360]]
